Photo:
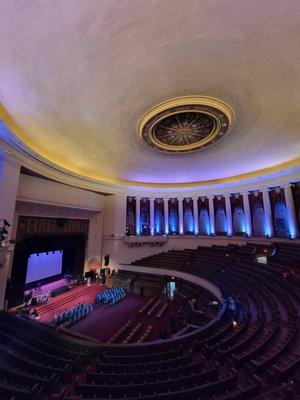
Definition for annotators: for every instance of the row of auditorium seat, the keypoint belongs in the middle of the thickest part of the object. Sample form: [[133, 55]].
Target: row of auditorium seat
[[120, 332], [34, 359], [255, 358], [132, 333], [260, 341], [153, 307], [146, 306]]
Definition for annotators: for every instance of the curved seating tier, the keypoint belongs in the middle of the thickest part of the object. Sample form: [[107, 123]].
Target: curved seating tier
[[253, 358]]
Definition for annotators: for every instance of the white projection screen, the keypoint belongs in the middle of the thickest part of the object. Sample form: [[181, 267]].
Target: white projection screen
[[44, 265]]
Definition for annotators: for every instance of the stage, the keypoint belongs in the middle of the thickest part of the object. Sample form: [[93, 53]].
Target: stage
[[48, 288], [66, 300]]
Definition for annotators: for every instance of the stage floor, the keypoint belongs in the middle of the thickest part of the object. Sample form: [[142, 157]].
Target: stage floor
[[68, 300], [45, 289]]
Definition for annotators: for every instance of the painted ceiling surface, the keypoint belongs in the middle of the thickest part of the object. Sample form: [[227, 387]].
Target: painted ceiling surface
[[76, 77]]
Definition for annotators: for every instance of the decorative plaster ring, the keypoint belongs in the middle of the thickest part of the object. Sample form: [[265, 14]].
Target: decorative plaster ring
[[185, 124]]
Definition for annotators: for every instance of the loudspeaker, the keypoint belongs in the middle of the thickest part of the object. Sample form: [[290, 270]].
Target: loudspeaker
[[106, 260]]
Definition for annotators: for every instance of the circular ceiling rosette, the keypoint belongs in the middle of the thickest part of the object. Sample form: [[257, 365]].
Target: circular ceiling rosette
[[185, 124]]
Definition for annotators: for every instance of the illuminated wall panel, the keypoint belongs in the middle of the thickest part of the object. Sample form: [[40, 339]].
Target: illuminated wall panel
[[238, 215], [159, 221], [130, 216], [204, 221], [258, 217], [188, 216], [173, 217], [220, 216]]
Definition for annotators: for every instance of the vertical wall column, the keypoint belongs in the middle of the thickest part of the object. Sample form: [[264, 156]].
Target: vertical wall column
[[166, 215], [152, 216], [247, 213], [196, 215], [289, 201], [228, 213], [9, 180], [211, 214], [114, 215], [94, 244], [137, 215], [268, 213], [180, 214]]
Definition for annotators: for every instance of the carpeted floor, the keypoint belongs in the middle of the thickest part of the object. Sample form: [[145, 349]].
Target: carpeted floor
[[104, 321]]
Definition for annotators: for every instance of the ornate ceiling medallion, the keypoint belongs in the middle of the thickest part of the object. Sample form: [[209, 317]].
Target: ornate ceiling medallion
[[185, 124]]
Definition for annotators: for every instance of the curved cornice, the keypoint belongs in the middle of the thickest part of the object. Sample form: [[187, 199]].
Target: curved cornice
[[10, 134]]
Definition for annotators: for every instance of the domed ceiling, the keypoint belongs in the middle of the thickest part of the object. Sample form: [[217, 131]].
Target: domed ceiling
[[76, 77]]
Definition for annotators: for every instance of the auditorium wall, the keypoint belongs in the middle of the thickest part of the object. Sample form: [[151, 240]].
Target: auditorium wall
[[9, 180], [120, 252], [42, 197], [114, 238], [43, 191], [45, 198], [23, 194], [114, 223]]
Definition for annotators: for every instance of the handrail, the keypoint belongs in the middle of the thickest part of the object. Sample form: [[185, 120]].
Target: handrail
[[194, 279], [179, 274]]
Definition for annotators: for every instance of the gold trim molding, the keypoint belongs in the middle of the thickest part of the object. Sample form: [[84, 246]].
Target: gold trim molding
[[39, 163], [185, 124]]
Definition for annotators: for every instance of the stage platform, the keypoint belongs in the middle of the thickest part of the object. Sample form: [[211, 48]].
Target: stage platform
[[68, 300], [48, 288]]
